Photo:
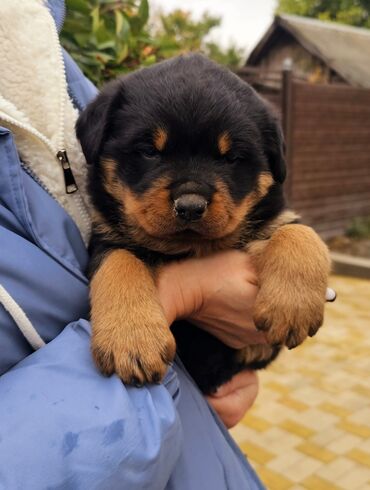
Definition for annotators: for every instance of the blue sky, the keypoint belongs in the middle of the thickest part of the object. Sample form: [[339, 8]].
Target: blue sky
[[244, 21]]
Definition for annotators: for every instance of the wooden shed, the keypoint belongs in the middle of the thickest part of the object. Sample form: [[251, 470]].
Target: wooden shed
[[320, 51]]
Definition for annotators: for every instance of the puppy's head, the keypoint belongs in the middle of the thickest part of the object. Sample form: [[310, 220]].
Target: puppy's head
[[183, 150]]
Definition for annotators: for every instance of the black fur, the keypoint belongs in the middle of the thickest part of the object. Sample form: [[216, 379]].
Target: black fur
[[195, 100]]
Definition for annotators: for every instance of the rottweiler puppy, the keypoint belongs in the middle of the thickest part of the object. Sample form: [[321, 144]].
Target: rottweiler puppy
[[186, 160]]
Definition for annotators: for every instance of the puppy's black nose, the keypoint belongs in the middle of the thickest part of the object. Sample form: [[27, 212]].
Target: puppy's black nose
[[190, 207]]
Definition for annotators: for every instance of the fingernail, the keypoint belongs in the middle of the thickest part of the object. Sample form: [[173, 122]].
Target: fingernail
[[330, 295]]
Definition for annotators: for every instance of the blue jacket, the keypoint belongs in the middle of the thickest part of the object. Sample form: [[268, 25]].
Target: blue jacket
[[62, 424]]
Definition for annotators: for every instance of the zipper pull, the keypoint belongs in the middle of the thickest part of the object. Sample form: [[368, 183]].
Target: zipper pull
[[69, 179]]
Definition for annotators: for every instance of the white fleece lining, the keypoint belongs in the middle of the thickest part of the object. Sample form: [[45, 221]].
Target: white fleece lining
[[33, 93], [20, 319]]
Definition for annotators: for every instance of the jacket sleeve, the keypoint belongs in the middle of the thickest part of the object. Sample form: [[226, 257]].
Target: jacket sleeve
[[64, 426]]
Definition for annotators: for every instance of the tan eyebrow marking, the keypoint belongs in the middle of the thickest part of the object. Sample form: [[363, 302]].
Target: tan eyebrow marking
[[160, 137], [224, 143]]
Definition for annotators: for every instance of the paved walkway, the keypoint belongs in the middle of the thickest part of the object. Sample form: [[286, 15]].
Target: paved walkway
[[310, 428]]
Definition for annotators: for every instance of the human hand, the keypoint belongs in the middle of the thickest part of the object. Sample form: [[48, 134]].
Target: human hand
[[217, 293], [233, 399]]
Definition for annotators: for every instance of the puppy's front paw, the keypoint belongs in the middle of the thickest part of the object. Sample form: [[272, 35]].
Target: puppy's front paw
[[136, 355], [288, 318], [293, 266]]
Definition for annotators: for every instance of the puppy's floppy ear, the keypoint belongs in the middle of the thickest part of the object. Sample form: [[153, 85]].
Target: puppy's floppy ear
[[273, 141], [95, 121]]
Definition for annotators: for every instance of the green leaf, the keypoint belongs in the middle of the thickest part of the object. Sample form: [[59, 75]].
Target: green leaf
[[122, 54], [122, 26], [82, 39], [119, 21], [102, 57], [150, 60], [78, 5], [102, 34], [95, 15], [143, 11]]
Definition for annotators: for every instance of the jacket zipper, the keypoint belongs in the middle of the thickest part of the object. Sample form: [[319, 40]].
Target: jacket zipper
[[61, 155], [69, 180]]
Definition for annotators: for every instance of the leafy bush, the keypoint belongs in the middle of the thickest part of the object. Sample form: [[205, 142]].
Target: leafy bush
[[352, 12], [107, 37], [359, 228], [110, 37]]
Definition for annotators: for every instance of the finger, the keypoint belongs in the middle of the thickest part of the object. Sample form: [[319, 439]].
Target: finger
[[232, 407], [238, 381], [255, 337]]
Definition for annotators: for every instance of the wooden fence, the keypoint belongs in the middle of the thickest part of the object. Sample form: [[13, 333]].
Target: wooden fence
[[327, 132]]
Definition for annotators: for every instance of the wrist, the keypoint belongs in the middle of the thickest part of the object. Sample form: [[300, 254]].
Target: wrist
[[179, 290]]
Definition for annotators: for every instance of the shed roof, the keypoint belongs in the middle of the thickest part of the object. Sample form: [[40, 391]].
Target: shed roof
[[343, 48]]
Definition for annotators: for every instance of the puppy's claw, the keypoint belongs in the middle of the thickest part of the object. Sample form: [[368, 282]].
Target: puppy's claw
[[136, 369], [262, 324]]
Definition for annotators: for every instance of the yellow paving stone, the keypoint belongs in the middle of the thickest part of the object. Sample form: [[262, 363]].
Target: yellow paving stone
[[314, 482], [255, 452], [293, 403], [257, 423], [316, 452], [297, 429], [274, 480], [275, 386], [362, 390], [361, 457], [313, 373], [358, 429], [334, 409]]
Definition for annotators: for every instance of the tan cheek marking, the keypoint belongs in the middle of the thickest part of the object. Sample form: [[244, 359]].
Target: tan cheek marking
[[160, 138], [237, 213], [224, 143], [264, 182], [151, 205], [144, 208]]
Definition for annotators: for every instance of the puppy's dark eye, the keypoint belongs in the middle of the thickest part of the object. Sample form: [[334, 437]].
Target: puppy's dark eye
[[149, 153], [232, 158]]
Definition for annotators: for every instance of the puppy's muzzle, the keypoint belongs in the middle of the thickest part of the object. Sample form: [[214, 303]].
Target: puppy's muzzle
[[190, 207]]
